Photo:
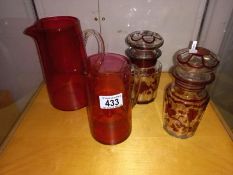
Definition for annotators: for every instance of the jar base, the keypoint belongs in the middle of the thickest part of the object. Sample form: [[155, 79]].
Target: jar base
[[145, 102], [174, 135]]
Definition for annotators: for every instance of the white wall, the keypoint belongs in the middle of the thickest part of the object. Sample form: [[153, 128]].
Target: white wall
[[16, 8], [176, 20]]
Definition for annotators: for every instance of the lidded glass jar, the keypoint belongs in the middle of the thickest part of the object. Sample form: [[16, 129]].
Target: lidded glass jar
[[144, 52], [186, 98]]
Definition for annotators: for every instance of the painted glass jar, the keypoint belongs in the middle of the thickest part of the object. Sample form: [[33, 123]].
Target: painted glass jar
[[144, 51], [186, 98]]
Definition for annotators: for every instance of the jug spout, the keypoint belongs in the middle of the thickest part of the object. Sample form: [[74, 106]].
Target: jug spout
[[31, 31]]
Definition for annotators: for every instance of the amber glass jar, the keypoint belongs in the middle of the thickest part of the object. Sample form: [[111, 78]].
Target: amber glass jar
[[144, 52], [186, 98], [184, 105]]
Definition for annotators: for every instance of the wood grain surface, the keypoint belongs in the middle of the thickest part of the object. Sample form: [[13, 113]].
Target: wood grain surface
[[52, 142]]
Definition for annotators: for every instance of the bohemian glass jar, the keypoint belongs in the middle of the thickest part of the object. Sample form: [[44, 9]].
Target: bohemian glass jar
[[186, 98], [144, 52]]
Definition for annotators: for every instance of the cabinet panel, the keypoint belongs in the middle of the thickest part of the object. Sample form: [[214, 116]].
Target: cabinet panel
[[85, 10], [177, 21], [20, 73], [214, 28]]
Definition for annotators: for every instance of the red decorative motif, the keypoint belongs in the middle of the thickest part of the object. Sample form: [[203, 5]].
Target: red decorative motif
[[181, 115], [192, 114], [169, 110], [186, 98]]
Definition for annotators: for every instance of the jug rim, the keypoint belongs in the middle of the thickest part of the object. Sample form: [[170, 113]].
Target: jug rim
[[123, 57], [56, 23]]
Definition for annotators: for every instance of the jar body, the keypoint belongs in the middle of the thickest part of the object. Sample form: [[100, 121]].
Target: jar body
[[183, 109], [149, 81]]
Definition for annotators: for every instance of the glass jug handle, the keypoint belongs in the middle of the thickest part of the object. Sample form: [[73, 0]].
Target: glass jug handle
[[135, 84], [89, 32], [101, 48]]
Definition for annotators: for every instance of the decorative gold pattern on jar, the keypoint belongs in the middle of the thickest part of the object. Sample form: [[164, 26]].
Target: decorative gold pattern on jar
[[144, 52], [183, 110], [149, 81], [186, 98]]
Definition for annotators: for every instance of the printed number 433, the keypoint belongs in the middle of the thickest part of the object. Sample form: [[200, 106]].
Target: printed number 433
[[114, 102]]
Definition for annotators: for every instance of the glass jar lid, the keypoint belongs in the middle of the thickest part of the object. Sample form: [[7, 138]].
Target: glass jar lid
[[201, 61], [144, 39], [195, 66]]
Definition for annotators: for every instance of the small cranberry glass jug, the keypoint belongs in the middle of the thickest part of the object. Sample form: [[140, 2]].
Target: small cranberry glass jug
[[186, 98], [62, 54], [112, 90]]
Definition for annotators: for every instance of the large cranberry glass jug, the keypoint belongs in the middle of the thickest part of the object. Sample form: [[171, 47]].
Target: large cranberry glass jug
[[186, 98], [112, 91], [60, 44]]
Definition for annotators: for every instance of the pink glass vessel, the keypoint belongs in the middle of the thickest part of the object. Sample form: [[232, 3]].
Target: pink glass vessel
[[112, 91]]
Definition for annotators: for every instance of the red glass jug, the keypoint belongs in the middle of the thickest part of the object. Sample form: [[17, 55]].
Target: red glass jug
[[112, 92], [60, 44]]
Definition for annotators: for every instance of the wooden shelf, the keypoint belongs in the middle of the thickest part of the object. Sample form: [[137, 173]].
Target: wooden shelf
[[49, 142]]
